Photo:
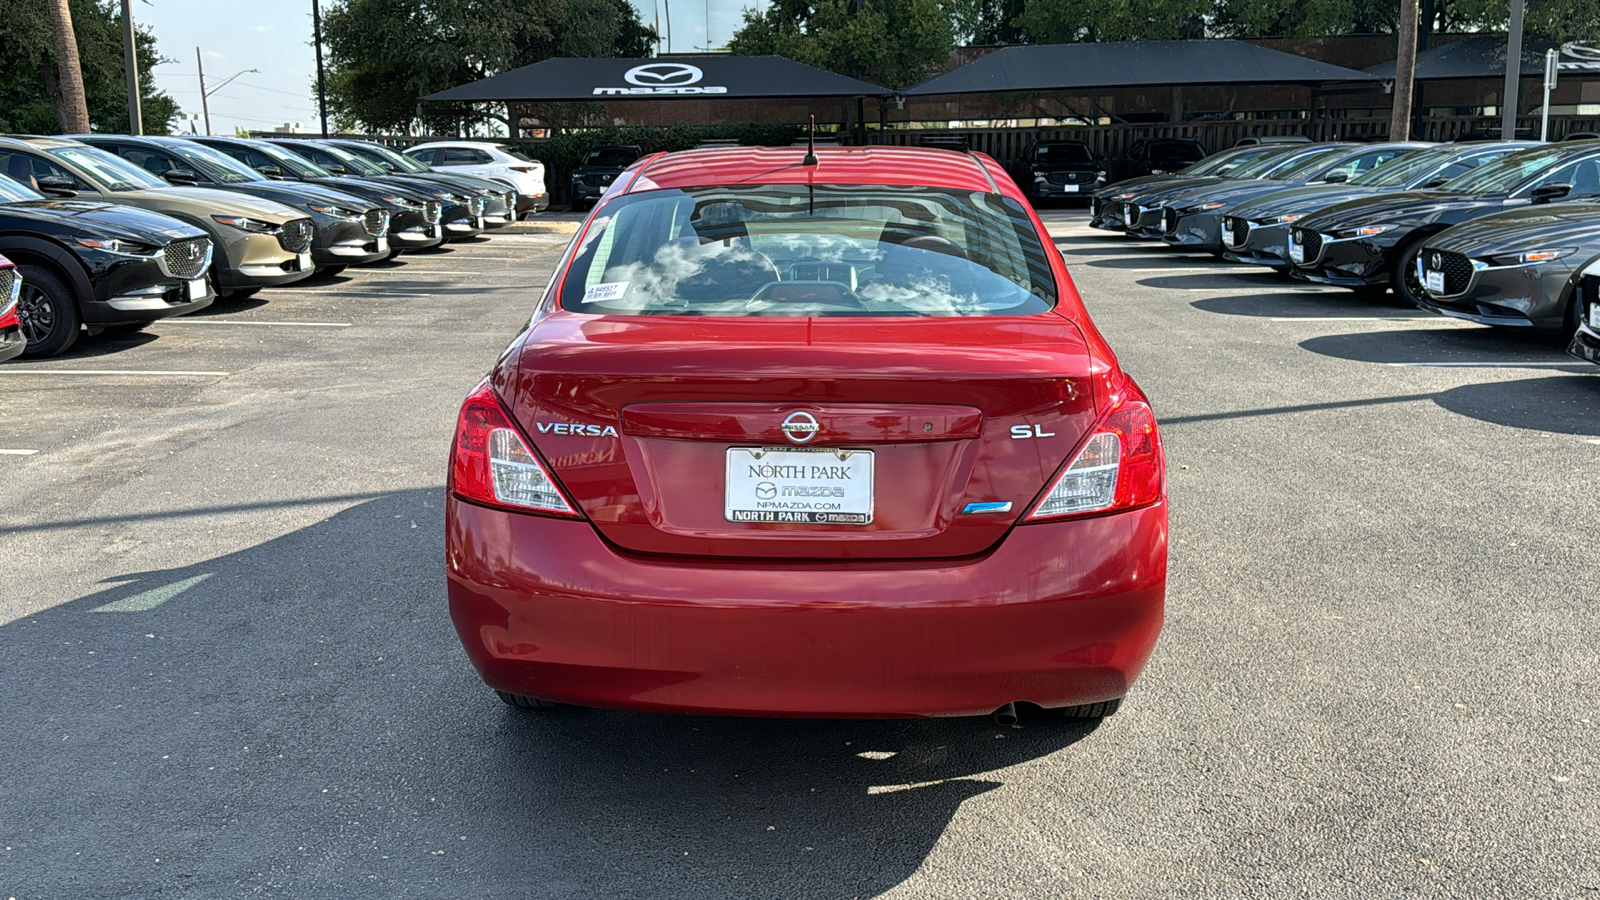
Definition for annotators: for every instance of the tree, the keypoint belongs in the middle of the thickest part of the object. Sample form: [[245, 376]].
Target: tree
[[72, 107], [1067, 21], [29, 83], [386, 55], [893, 43]]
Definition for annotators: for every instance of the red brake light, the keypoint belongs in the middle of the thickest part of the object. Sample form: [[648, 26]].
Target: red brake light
[[1119, 467], [524, 169], [493, 465]]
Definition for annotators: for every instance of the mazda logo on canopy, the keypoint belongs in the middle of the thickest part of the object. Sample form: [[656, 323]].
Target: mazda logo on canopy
[[663, 75]]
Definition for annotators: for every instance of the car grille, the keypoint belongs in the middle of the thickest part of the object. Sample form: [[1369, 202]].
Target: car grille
[[1310, 242], [430, 212], [295, 235], [1169, 220], [1070, 177], [8, 289], [1235, 231], [597, 180], [1457, 270], [187, 258], [376, 221]]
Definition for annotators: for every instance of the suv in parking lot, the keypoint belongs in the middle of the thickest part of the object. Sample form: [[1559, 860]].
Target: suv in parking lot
[[496, 162], [599, 168]]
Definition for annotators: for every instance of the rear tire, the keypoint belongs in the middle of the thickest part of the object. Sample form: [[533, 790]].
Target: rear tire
[[49, 312], [520, 702], [1092, 710]]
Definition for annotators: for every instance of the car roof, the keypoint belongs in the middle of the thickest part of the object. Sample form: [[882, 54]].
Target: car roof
[[924, 166], [494, 143], [42, 142]]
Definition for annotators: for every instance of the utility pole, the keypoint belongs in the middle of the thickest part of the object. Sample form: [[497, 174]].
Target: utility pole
[[322, 82], [130, 65], [204, 106], [1405, 71], [1508, 111]]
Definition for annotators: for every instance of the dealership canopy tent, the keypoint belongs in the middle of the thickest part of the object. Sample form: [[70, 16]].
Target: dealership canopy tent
[[1065, 67], [1473, 57], [676, 77]]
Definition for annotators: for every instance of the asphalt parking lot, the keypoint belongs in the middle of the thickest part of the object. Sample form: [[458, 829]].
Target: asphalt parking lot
[[228, 669]]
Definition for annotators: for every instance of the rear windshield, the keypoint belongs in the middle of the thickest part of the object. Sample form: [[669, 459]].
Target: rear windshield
[[825, 250], [516, 152], [1063, 153], [611, 157]]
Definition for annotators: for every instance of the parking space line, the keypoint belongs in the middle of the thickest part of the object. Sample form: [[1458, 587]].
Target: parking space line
[[1359, 319], [14, 370], [219, 321], [17, 452], [1575, 364]]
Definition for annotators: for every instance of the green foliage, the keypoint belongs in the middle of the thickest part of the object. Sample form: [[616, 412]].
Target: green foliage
[[893, 43], [562, 152], [1066, 21], [385, 55], [28, 70]]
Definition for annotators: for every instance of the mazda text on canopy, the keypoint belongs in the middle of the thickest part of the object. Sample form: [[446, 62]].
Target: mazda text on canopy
[[827, 439], [1376, 241]]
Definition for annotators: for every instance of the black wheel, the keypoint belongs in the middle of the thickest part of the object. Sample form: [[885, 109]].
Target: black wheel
[[1404, 279], [521, 702], [48, 311], [124, 328], [1092, 710], [327, 271]]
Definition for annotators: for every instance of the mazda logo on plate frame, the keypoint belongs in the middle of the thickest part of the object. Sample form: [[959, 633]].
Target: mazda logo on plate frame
[[800, 427], [664, 75]]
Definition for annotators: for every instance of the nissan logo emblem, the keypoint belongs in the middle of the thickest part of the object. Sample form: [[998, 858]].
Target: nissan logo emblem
[[663, 75], [1436, 261], [800, 427]]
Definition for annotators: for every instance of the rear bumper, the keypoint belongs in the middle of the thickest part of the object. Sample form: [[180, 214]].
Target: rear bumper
[[1058, 614]]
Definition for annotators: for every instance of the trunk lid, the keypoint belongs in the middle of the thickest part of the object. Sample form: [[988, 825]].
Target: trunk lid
[[669, 432]]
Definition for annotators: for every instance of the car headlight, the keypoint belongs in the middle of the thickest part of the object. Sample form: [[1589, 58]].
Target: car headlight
[[1204, 207], [244, 223], [1363, 231], [117, 246], [401, 202], [450, 198], [1283, 220], [337, 212], [1532, 256]]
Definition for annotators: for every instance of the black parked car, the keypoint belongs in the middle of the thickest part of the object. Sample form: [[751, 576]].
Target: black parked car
[[1106, 207], [462, 215], [1517, 268], [1058, 170], [350, 230], [1158, 156], [1142, 208], [1257, 232], [413, 214], [500, 200], [599, 168], [1376, 241], [108, 266]]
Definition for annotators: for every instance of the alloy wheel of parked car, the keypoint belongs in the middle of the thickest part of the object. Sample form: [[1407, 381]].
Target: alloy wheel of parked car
[[48, 315], [1407, 284]]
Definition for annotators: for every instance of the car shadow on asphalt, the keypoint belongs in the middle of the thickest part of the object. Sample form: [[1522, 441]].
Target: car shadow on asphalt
[[298, 718], [1466, 344], [1265, 281], [228, 307], [1311, 305]]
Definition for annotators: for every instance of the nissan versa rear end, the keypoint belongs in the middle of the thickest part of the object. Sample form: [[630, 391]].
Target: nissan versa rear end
[[793, 438]]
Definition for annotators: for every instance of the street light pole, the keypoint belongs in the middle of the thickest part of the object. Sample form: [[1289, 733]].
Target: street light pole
[[1508, 111], [130, 64], [322, 82], [1552, 63], [200, 65]]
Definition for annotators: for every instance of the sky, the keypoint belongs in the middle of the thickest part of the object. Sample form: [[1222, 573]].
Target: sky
[[274, 38]]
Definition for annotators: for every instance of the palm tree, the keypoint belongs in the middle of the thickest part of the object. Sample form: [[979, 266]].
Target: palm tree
[[72, 110]]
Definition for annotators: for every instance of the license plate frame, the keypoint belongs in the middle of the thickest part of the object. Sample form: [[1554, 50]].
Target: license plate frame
[[1433, 281], [799, 486], [1594, 316], [1068, 188], [1297, 252], [304, 261], [197, 289]]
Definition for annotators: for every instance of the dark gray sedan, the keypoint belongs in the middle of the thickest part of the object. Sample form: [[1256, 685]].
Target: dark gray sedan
[[1518, 268]]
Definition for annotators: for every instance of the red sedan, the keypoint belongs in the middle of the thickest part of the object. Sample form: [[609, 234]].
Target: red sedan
[[796, 438], [12, 340]]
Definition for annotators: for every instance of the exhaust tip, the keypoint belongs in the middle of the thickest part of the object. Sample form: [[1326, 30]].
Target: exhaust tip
[[1006, 715]]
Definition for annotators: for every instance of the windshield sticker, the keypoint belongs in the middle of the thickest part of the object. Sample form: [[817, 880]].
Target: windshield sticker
[[606, 290]]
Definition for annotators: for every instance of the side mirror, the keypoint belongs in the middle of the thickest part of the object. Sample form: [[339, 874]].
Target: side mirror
[[1551, 190], [181, 176], [337, 169], [1336, 178], [390, 167], [270, 171], [57, 186], [1435, 182]]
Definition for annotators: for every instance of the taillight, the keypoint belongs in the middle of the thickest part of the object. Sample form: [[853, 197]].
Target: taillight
[[524, 168], [1119, 467], [493, 465]]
